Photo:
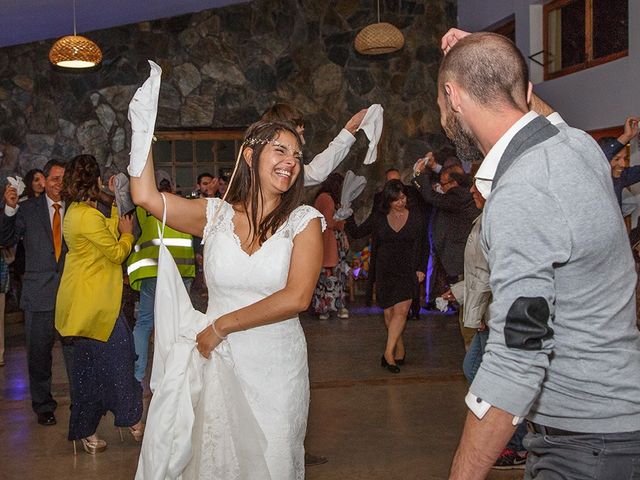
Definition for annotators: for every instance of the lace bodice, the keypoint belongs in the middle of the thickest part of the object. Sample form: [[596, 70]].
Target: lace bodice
[[297, 221], [270, 361]]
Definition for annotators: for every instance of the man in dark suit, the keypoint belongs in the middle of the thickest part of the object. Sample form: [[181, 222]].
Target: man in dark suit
[[38, 222], [455, 212]]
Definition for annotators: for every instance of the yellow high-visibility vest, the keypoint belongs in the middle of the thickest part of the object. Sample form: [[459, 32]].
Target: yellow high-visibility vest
[[143, 261]]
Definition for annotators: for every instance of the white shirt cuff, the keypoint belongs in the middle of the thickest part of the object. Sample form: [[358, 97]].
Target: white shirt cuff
[[346, 137], [480, 408], [10, 211]]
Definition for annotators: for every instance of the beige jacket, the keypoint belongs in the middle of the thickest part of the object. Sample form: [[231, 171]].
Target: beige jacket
[[474, 292]]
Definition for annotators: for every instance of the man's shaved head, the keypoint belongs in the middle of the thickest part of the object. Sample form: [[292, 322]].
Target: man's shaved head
[[490, 68]]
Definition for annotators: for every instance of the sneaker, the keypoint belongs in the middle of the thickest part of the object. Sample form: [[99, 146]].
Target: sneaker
[[343, 313], [510, 460], [323, 316]]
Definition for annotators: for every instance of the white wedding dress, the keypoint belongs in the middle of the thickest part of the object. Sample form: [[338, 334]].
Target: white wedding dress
[[269, 362]]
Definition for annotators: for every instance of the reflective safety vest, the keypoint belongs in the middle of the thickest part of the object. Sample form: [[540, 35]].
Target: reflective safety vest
[[143, 261]]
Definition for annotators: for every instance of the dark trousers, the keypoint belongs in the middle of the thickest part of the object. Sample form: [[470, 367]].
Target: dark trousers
[[40, 335], [610, 456]]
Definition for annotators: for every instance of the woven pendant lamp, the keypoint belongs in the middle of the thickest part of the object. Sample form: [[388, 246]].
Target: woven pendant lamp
[[75, 51], [379, 38]]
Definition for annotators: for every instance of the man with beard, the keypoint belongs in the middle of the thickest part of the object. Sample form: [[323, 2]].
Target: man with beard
[[562, 351]]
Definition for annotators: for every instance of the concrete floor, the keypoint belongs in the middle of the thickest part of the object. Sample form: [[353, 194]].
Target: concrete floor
[[371, 424]]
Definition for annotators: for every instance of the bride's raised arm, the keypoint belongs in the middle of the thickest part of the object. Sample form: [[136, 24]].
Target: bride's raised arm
[[187, 216], [184, 215]]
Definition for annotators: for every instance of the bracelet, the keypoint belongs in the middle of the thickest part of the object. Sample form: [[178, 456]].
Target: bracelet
[[215, 332]]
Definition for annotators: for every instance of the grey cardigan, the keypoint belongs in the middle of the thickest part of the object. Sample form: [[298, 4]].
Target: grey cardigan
[[554, 238]]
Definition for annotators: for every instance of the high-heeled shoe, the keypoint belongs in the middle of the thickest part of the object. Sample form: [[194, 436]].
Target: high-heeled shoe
[[136, 431], [389, 366], [400, 361], [91, 446]]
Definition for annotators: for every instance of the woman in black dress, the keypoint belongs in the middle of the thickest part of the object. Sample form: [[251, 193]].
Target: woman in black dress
[[400, 236]]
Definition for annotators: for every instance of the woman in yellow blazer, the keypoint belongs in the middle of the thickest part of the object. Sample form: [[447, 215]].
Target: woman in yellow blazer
[[96, 340]]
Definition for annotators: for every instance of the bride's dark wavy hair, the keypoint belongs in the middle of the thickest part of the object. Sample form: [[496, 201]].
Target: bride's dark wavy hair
[[245, 187], [80, 181]]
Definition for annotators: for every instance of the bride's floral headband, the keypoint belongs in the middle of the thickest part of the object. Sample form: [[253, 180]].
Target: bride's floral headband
[[253, 141]]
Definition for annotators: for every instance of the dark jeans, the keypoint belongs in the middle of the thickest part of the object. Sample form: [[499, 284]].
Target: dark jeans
[[611, 456], [40, 334]]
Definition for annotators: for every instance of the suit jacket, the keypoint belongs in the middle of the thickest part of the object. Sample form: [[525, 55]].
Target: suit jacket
[[453, 220], [42, 272]]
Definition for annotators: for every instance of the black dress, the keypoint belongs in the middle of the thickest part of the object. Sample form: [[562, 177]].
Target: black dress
[[399, 255]]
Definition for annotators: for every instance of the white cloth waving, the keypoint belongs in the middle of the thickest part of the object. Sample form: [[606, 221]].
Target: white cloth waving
[[143, 110], [352, 186], [372, 124]]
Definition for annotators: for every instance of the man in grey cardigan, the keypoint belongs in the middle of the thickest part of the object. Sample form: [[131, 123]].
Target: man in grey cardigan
[[563, 349]]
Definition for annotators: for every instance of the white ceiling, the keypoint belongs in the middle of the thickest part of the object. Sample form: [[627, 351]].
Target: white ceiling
[[25, 21]]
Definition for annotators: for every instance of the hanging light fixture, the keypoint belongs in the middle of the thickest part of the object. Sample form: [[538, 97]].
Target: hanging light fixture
[[75, 51], [379, 38]]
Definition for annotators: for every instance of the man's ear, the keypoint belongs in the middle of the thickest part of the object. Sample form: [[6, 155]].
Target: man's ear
[[452, 96], [247, 153], [529, 92]]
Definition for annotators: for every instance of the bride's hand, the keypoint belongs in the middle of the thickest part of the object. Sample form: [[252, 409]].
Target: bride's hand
[[207, 341]]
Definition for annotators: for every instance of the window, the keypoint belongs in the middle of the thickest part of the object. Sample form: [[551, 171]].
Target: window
[[579, 34], [185, 155]]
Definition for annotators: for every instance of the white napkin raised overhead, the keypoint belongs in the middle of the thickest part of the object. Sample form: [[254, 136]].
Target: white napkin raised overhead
[[143, 110], [372, 124]]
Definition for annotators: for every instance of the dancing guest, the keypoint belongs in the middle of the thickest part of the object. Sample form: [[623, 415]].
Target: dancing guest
[[319, 168], [622, 174], [331, 291], [400, 235], [262, 256], [37, 222], [474, 294], [96, 341]]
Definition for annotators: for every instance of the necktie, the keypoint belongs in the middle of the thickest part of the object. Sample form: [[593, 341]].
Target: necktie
[[57, 231]]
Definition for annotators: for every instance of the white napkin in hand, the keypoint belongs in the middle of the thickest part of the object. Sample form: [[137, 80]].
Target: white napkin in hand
[[372, 125], [351, 187], [123, 195], [143, 109], [17, 183]]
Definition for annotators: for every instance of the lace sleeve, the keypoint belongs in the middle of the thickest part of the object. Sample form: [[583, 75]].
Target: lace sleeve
[[213, 204], [301, 217]]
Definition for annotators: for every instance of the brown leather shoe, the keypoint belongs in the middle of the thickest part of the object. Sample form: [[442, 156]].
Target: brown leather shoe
[[312, 460]]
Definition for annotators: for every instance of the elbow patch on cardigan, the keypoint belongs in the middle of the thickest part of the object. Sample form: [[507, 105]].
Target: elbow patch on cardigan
[[527, 324]]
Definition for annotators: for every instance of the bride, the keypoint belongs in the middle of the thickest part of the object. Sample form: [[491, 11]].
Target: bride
[[262, 258]]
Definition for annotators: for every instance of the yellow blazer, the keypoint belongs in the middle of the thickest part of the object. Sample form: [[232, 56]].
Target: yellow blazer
[[90, 292]]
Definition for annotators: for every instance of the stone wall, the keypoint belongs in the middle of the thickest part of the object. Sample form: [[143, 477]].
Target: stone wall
[[222, 68]]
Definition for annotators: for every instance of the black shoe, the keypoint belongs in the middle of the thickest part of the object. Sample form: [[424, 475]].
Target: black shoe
[[312, 460], [400, 361], [47, 419], [392, 368]]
